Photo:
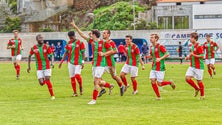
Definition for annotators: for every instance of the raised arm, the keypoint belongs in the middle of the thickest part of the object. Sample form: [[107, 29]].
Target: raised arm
[[78, 30]]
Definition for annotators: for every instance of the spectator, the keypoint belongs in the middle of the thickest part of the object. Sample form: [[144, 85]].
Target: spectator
[[58, 52], [145, 50], [122, 56], [180, 48], [53, 50]]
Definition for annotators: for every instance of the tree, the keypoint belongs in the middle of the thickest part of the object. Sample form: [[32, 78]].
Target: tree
[[12, 24]]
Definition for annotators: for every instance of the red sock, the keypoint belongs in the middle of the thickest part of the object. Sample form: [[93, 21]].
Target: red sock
[[191, 82], [95, 94], [156, 90], [49, 84], [165, 83], [73, 82], [134, 85], [201, 86], [120, 84], [17, 68], [79, 79], [124, 81], [107, 85], [210, 71]]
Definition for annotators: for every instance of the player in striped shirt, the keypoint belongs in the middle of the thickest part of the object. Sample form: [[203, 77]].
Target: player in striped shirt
[[99, 61], [158, 53], [196, 68], [210, 48], [75, 49], [41, 52], [131, 66], [15, 45], [111, 66]]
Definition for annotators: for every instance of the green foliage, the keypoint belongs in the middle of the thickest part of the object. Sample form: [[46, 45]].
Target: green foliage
[[48, 29], [13, 5], [12, 24], [118, 16]]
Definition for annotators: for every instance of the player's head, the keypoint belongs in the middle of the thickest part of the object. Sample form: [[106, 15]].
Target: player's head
[[39, 39], [106, 34], [129, 39], [193, 37], [154, 38], [208, 37], [15, 32], [95, 33], [71, 35]]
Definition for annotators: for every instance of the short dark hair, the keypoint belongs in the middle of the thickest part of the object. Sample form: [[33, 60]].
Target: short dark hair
[[108, 31], [15, 31], [71, 33], [37, 37], [96, 32], [194, 35], [129, 36]]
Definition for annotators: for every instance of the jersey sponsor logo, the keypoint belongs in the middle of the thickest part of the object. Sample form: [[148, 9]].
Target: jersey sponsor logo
[[77, 45], [206, 45], [44, 50], [156, 50], [100, 45], [36, 50], [132, 50]]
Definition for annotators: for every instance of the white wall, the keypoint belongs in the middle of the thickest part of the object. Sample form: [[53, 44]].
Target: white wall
[[207, 9]]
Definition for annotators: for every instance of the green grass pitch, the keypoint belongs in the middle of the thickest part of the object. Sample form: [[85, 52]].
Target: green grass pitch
[[25, 102]]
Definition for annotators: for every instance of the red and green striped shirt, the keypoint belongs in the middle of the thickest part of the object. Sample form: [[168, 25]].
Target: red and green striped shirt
[[41, 56], [97, 47], [194, 61], [18, 44], [75, 51], [158, 51], [209, 47], [110, 59], [133, 54]]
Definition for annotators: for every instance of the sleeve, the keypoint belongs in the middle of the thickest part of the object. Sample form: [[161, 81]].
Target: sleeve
[[31, 51], [9, 43], [89, 40], [137, 51], [49, 50], [200, 50], [204, 46], [67, 48], [163, 49], [82, 47], [113, 46], [150, 50], [215, 44], [107, 46]]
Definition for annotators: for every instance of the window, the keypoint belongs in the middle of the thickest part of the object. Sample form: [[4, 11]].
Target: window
[[165, 22], [178, 3], [181, 22], [202, 2]]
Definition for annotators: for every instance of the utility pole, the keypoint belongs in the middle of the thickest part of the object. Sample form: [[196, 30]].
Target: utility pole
[[134, 16]]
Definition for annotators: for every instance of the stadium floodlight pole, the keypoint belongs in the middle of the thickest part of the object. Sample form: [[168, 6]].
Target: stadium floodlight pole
[[134, 16]]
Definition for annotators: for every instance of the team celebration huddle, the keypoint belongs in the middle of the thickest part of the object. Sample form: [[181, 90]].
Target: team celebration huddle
[[103, 51]]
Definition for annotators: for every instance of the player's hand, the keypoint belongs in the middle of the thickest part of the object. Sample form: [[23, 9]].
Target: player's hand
[[60, 65], [143, 67], [28, 70], [12, 46], [101, 54], [158, 59], [186, 58]]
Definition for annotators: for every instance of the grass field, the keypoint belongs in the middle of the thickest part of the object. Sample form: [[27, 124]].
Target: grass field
[[25, 102]]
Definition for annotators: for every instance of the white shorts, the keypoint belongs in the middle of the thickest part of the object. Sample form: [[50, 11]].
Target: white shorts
[[210, 61], [18, 57], [133, 70], [98, 71], [158, 75], [107, 69], [43, 73], [74, 69], [196, 73]]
